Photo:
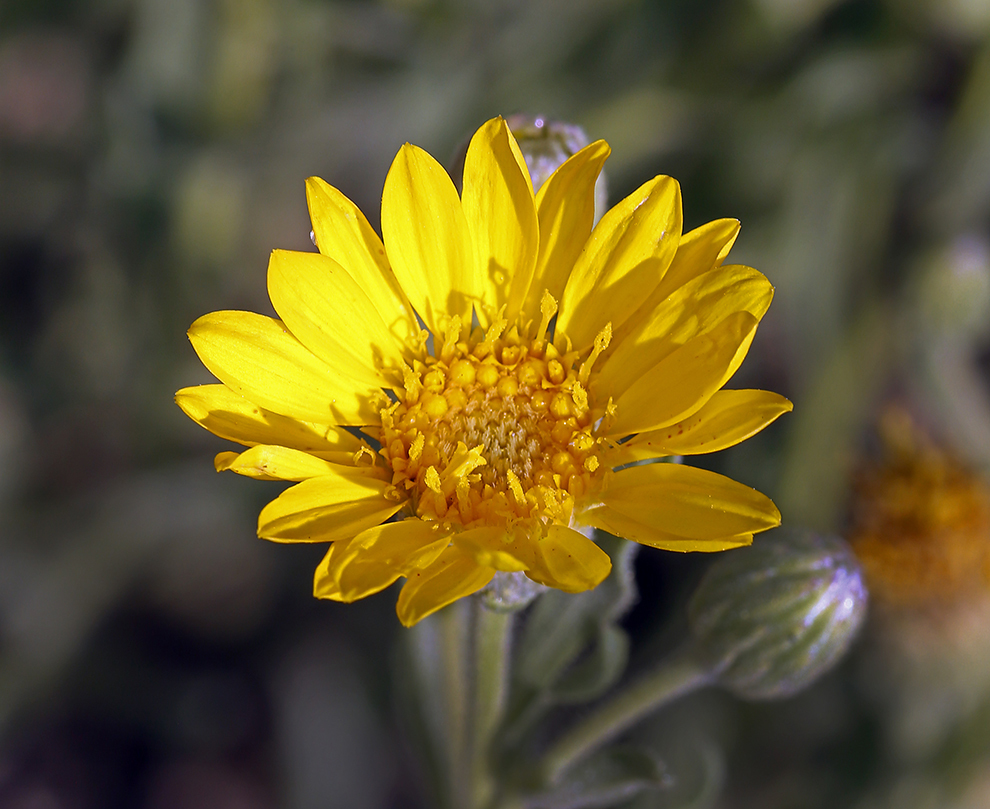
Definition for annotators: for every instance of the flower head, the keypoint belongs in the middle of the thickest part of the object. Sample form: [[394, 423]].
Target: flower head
[[920, 521], [555, 358]]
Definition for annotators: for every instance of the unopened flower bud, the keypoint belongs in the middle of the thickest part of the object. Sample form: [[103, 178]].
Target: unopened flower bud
[[773, 617]]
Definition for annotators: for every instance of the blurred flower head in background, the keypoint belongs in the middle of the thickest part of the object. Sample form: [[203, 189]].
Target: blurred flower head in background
[[920, 521]]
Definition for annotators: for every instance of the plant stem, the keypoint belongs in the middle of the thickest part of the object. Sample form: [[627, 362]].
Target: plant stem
[[674, 678], [492, 642], [454, 639]]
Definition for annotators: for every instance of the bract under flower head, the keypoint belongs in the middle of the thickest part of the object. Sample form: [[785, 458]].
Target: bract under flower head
[[561, 356]]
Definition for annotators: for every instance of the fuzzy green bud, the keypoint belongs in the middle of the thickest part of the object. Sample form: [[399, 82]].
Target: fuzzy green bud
[[772, 618]]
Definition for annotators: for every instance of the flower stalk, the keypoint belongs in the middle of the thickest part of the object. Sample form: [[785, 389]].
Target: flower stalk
[[492, 644], [674, 678]]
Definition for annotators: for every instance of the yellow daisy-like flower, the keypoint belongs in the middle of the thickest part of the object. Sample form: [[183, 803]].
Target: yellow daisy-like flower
[[509, 430]]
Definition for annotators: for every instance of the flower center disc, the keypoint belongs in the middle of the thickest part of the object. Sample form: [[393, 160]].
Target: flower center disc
[[491, 432]]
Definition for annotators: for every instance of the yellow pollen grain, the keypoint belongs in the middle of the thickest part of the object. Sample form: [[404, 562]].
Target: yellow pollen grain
[[416, 449], [591, 463]]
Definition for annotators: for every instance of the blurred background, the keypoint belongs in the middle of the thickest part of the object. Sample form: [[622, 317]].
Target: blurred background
[[154, 653]]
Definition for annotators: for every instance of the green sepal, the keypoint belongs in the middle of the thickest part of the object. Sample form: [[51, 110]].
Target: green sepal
[[562, 626], [570, 648]]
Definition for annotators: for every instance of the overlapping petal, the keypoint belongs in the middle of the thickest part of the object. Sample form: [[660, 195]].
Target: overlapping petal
[[698, 251], [497, 548], [686, 379], [342, 233], [427, 239], [272, 462], [624, 259], [314, 295], [689, 502], [501, 217], [729, 417], [261, 360], [375, 558], [620, 525], [229, 415], [569, 561], [453, 575], [323, 509], [693, 309], [565, 207]]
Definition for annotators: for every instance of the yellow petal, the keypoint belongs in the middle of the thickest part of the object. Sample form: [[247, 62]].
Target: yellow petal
[[323, 509], [620, 525], [693, 309], [623, 261], [342, 233], [375, 558], [452, 576], [426, 237], [501, 217], [330, 314], [689, 502], [565, 207], [231, 416], [267, 462], [729, 417], [682, 382], [569, 561], [698, 251], [493, 547], [258, 358]]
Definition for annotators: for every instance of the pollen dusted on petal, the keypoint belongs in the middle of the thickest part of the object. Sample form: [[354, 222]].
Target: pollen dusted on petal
[[496, 430]]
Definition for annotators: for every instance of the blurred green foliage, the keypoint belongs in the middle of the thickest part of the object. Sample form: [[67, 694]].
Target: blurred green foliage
[[153, 653]]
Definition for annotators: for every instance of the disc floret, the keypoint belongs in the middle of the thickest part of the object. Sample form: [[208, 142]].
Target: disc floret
[[496, 429]]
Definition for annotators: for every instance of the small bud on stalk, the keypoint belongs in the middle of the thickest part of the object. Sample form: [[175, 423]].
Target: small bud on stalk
[[772, 618]]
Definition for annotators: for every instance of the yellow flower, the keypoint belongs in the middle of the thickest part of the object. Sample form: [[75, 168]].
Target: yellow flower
[[501, 430], [920, 522]]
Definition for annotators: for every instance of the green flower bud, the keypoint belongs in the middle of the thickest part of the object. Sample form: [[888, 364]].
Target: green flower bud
[[772, 618]]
